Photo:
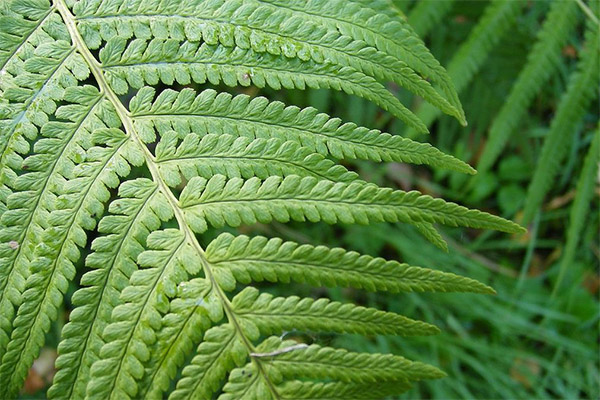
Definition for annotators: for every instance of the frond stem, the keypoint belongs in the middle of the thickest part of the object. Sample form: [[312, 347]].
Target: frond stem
[[589, 13]]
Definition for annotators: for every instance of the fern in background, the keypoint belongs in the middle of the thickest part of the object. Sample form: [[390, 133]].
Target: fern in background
[[536, 163], [542, 62], [89, 122]]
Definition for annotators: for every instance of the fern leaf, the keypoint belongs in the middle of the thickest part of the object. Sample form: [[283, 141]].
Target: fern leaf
[[135, 322], [393, 36], [581, 90], [153, 293], [542, 63], [20, 24], [168, 61], [431, 234], [219, 353], [258, 118], [209, 155], [28, 214], [580, 207], [233, 202], [113, 262], [269, 315], [233, 24], [326, 363], [259, 259], [181, 330], [54, 263]]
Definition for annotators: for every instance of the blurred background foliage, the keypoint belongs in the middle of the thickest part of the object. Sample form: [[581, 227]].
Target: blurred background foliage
[[527, 73]]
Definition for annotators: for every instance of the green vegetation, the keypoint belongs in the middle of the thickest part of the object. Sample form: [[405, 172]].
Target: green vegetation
[[172, 175]]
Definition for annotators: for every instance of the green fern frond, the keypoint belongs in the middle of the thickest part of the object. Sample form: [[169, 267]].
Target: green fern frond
[[393, 36], [265, 314], [258, 259], [581, 206], [233, 202], [582, 89], [220, 352], [232, 25], [183, 160], [112, 262], [325, 363], [289, 361], [232, 156], [181, 330], [169, 61], [542, 63], [430, 233], [220, 113]]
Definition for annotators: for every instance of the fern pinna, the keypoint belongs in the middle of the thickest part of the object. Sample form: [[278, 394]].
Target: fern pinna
[[151, 299]]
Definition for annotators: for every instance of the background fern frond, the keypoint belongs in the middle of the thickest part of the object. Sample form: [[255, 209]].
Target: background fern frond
[[426, 14], [499, 16], [580, 207], [542, 63], [582, 89]]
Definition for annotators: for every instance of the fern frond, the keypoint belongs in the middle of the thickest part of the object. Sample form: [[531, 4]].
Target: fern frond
[[20, 25], [220, 113], [582, 89], [234, 24], [430, 233], [234, 202], [542, 63], [135, 322], [168, 61], [152, 292], [393, 36], [76, 210], [580, 206], [219, 353], [112, 262], [258, 259], [38, 70], [326, 363], [232, 156], [35, 194], [261, 312], [33, 74], [181, 330]]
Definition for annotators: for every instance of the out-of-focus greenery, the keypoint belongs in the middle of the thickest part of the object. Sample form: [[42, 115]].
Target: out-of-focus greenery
[[538, 338]]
